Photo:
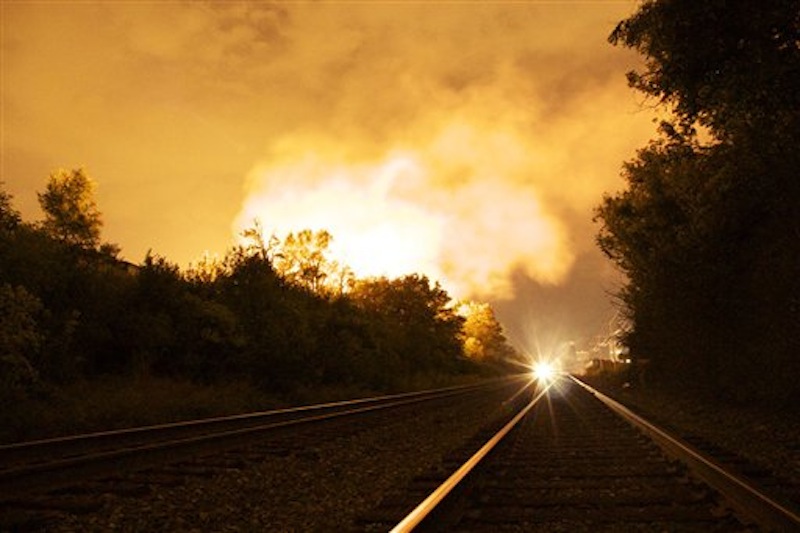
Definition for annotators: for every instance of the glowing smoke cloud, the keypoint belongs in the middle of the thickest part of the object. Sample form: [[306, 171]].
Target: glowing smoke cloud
[[439, 209]]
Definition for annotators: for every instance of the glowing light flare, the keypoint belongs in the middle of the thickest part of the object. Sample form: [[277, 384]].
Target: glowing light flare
[[544, 371]]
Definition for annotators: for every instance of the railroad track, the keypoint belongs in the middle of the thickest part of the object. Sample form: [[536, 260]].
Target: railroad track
[[31, 473], [573, 459]]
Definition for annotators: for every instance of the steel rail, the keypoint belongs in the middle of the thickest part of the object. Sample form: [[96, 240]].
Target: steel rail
[[77, 444], [65, 470], [429, 504], [744, 496]]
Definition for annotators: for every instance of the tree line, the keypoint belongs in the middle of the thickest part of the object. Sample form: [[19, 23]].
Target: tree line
[[708, 230], [277, 313]]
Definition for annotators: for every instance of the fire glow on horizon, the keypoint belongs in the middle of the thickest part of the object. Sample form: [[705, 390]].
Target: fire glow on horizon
[[445, 208], [462, 140]]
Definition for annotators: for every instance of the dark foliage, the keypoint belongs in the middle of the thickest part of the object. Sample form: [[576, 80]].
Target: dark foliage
[[75, 311], [708, 231]]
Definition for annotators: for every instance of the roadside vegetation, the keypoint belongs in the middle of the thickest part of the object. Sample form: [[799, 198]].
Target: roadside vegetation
[[708, 231], [90, 342]]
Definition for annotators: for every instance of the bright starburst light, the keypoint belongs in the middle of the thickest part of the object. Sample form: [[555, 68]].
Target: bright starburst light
[[544, 371]]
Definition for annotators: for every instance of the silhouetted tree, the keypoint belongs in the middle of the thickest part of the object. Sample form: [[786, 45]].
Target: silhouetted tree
[[418, 327], [263, 305], [72, 310], [302, 259], [482, 334], [9, 217], [707, 231], [730, 66], [71, 214], [20, 340], [259, 244]]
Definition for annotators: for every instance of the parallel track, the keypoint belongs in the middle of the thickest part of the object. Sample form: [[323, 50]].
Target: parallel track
[[45, 465], [573, 459], [565, 458]]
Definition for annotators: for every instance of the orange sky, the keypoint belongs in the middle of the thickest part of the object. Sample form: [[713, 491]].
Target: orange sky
[[468, 141]]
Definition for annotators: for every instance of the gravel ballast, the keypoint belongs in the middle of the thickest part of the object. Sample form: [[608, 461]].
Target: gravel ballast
[[327, 487], [321, 488], [765, 437]]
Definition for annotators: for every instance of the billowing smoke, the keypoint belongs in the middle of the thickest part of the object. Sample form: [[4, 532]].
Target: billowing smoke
[[468, 141], [481, 183], [456, 206]]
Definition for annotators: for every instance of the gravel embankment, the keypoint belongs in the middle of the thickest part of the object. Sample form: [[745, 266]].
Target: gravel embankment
[[766, 438], [321, 489]]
